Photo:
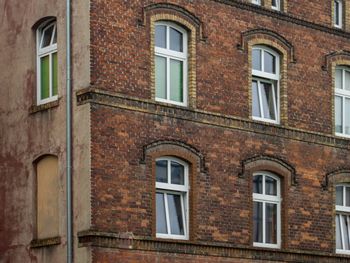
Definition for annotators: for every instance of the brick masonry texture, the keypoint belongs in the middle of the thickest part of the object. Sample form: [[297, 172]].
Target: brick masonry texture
[[221, 200]]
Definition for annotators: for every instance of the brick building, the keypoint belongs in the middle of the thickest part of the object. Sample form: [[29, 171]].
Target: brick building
[[202, 131]]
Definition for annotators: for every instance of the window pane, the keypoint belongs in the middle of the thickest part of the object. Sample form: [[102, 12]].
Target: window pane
[[161, 218], [258, 222], [274, 3], [257, 184], [347, 196], [177, 173], [255, 93], [175, 214], [162, 171], [338, 79], [176, 41], [267, 101], [161, 79], [337, 231], [347, 80], [55, 36], [176, 80], [257, 59], [269, 63], [338, 114], [345, 233], [45, 77], [336, 12], [271, 223], [160, 36], [54, 74], [270, 186], [47, 37], [339, 195], [347, 116]]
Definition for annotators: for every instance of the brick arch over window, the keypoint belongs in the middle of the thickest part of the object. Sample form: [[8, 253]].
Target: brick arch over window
[[270, 164], [284, 48], [192, 157], [176, 14], [336, 177]]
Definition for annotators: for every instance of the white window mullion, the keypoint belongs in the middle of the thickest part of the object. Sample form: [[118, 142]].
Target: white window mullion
[[343, 116], [264, 222], [50, 75], [168, 78], [167, 213]]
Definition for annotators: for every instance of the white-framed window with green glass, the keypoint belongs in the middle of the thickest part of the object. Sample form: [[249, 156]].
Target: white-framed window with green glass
[[342, 101], [171, 63], [47, 64]]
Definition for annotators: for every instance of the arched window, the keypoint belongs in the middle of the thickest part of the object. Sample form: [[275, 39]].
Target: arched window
[[171, 63], [172, 198], [342, 220], [265, 84], [47, 220], [266, 210], [342, 101], [47, 85]]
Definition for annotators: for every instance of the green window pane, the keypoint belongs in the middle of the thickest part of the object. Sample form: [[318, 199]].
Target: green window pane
[[176, 80], [45, 77], [161, 77], [54, 74]]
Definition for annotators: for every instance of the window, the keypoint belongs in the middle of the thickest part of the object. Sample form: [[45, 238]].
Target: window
[[265, 84], [171, 198], [266, 210], [171, 63], [338, 13], [257, 2], [276, 4], [47, 63], [342, 219], [47, 197], [342, 101]]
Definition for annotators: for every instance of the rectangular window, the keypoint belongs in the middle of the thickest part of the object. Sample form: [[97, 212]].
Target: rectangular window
[[342, 219], [47, 65], [171, 198], [257, 2], [342, 101], [276, 4], [338, 13]]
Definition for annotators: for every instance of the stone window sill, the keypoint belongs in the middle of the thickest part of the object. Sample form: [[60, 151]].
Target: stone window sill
[[43, 107], [45, 242]]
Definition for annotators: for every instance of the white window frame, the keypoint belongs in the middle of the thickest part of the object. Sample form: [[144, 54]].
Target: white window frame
[[182, 190], [261, 75], [344, 94], [340, 14], [278, 5], [168, 54], [42, 52], [343, 210], [263, 198], [256, 2]]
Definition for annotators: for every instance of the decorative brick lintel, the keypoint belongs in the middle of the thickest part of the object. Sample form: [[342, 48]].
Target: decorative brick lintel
[[113, 240], [96, 96], [37, 243], [284, 17]]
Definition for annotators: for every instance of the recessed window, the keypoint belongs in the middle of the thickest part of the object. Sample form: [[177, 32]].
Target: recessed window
[[266, 210], [338, 13], [342, 101], [47, 67], [342, 219], [47, 216], [265, 84], [171, 198], [171, 63], [257, 2], [276, 4]]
